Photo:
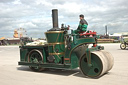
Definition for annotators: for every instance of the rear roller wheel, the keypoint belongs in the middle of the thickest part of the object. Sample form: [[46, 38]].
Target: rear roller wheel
[[101, 62], [35, 56], [123, 46]]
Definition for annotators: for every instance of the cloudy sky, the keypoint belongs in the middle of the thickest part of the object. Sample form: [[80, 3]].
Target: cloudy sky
[[35, 15]]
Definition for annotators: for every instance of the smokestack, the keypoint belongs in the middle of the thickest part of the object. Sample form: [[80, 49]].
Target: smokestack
[[106, 30], [55, 20]]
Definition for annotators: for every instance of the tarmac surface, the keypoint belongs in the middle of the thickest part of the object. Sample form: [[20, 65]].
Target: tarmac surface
[[13, 74]]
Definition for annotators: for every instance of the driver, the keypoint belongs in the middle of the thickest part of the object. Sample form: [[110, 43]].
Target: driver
[[82, 25]]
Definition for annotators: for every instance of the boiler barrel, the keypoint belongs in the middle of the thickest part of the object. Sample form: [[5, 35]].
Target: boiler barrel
[[56, 44]]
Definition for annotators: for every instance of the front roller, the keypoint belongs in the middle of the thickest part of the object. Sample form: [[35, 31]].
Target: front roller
[[102, 62]]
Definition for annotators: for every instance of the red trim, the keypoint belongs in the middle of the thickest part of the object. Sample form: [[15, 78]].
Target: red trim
[[94, 45], [87, 33], [66, 58]]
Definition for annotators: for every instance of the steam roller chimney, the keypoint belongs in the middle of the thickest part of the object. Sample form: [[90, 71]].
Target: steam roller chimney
[[55, 20]]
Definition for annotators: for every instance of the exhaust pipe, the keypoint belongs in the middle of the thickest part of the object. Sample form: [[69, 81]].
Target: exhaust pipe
[[55, 20]]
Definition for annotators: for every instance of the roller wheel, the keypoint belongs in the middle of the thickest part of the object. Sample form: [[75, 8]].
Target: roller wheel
[[101, 63], [91, 71], [35, 56], [123, 46]]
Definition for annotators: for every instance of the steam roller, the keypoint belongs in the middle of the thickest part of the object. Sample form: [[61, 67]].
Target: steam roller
[[65, 50]]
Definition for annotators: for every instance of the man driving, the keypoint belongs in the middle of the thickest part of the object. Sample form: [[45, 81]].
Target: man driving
[[82, 25]]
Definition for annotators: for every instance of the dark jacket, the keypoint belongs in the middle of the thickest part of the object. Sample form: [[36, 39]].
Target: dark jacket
[[83, 21]]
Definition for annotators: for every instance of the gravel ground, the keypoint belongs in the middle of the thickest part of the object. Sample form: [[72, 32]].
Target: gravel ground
[[12, 74]]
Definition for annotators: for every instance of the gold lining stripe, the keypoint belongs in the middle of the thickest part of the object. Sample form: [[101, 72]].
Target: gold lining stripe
[[54, 32], [56, 53], [56, 43]]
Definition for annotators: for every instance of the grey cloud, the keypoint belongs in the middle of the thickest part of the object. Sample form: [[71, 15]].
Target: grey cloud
[[6, 1], [35, 16]]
